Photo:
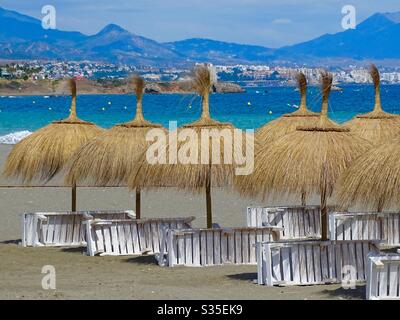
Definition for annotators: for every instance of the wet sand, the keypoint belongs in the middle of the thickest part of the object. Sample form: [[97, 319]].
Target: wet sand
[[82, 277]]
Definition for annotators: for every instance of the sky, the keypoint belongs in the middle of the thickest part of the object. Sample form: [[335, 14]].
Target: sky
[[271, 23]]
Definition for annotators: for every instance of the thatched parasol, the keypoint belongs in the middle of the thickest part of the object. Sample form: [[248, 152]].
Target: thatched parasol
[[108, 158], [373, 183], [200, 172], [307, 160], [377, 126], [44, 153], [289, 122]]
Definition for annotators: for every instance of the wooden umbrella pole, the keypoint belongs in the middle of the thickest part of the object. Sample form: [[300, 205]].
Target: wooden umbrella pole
[[208, 203], [324, 214], [73, 198], [303, 199], [380, 206], [208, 199], [138, 203]]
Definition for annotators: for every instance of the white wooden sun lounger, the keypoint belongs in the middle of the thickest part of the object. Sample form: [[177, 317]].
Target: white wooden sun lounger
[[312, 262], [383, 277], [62, 228], [129, 237], [298, 222], [211, 247], [366, 226]]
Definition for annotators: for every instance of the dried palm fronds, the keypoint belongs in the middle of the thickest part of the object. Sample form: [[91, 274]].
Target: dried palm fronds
[[289, 122], [200, 172], [377, 126], [44, 153], [308, 160], [373, 182], [109, 158]]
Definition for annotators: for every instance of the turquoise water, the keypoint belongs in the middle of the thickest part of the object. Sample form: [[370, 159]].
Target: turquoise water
[[245, 110]]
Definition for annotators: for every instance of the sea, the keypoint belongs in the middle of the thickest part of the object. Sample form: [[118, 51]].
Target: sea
[[21, 115]]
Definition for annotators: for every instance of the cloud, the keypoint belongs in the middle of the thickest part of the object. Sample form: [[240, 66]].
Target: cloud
[[282, 21]]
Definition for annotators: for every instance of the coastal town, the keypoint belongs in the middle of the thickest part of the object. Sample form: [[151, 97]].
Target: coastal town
[[245, 75]]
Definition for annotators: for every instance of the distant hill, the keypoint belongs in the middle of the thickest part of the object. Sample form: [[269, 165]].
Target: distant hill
[[116, 44], [22, 37], [221, 52], [378, 37]]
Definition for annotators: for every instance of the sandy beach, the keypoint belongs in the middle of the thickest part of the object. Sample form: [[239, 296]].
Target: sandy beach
[[82, 277]]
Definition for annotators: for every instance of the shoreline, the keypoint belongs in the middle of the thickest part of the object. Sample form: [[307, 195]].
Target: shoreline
[[106, 87], [112, 92]]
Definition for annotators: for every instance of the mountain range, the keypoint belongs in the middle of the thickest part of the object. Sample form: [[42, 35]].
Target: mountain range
[[23, 38]]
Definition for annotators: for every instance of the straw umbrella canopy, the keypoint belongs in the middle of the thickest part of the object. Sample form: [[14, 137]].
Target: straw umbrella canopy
[[307, 160], [192, 163], [108, 158], [373, 183], [289, 122], [377, 126], [43, 154]]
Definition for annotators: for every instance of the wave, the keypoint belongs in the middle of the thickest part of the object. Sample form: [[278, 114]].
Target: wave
[[14, 137]]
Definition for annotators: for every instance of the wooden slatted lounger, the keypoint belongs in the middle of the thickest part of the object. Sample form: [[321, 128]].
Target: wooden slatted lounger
[[366, 226], [129, 237], [383, 277], [312, 262], [210, 247], [298, 222], [62, 228]]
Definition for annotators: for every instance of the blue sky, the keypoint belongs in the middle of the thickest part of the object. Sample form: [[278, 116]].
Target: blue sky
[[271, 23]]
